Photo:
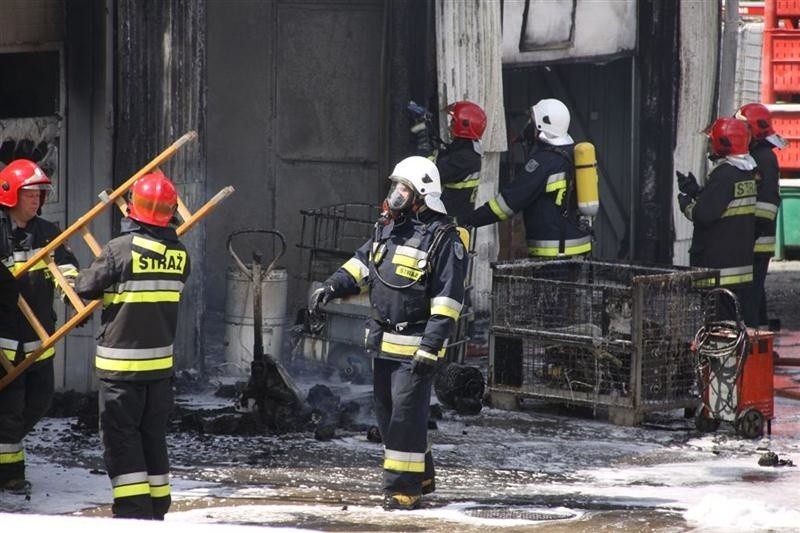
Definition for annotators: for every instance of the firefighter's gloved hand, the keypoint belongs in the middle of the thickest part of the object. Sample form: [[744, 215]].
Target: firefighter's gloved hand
[[687, 184], [684, 201], [320, 297], [422, 137], [424, 363]]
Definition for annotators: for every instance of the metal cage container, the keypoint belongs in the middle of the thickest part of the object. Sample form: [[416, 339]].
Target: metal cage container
[[596, 333]]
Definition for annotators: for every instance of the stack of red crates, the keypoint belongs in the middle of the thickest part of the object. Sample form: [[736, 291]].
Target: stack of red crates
[[780, 76]]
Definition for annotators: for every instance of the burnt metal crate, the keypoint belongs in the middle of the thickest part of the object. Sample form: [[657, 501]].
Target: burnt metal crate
[[329, 235], [600, 333]]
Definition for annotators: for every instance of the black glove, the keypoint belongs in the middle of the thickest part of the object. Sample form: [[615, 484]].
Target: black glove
[[424, 363], [688, 184], [685, 201], [320, 297]]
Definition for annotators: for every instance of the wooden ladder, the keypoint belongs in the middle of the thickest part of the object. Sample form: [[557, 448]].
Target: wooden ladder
[[83, 310]]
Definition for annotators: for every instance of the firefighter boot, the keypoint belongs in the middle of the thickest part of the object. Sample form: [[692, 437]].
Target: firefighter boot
[[20, 487], [402, 502], [428, 486]]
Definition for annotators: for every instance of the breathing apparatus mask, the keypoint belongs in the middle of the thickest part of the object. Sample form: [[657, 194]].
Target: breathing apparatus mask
[[400, 200]]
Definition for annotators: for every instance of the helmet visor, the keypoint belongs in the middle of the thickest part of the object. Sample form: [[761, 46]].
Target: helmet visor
[[400, 196], [37, 187]]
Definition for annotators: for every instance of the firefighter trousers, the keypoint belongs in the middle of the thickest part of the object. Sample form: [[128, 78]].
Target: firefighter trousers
[[402, 407], [760, 268], [22, 404], [133, 425]]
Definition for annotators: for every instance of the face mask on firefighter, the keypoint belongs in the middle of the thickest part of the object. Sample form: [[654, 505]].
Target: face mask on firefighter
[[400, 197]]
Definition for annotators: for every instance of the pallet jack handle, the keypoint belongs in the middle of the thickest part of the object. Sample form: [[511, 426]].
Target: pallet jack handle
[[256, 274]]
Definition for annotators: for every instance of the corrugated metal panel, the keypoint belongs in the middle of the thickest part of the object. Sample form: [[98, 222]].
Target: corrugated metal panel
[[698, 59], [748, 64], [470, 67], [161, 95]]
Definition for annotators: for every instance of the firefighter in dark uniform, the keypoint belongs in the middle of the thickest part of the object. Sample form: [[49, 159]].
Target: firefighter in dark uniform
[[414, 268], [723, 213], [544, 192], [459, 162], [140, 276], [23, 191], [764, 141]]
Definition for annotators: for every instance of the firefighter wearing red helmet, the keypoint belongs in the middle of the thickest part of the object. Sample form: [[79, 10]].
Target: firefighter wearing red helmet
[[723, 212], [140, 276], [23, 191], [764, 141], [459, 162]]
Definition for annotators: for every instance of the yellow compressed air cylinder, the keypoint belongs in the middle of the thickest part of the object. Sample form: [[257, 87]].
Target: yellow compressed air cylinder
[[586, 179]]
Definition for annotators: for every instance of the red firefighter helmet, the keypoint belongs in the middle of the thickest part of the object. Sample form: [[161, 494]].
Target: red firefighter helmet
[[468, 120], [21, 174], [153, 199], [758, 118], [729, 136]]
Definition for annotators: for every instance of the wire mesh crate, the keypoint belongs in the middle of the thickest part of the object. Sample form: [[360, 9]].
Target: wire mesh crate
[[598, 333], [329, 235]]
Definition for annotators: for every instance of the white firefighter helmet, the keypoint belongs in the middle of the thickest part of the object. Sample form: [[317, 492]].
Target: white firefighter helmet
[[420, 174], [551, 117]]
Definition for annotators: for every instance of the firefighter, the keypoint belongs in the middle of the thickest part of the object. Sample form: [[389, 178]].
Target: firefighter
[[764, 140], [723, 213], [23, 192], [139, 275], [459, 162], [414, 268], [544, 192]]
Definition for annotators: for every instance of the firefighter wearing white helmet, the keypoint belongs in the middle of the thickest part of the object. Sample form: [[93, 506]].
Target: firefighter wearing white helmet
[[544, 192], [414, 268]]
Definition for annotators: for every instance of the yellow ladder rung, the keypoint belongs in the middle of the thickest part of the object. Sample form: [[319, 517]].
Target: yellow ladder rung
[[32, 320], [74, 299], [94, 246]]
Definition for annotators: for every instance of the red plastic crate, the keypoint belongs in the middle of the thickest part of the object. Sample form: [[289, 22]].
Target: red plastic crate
[[787, 8], [787, 125], [785, 60]]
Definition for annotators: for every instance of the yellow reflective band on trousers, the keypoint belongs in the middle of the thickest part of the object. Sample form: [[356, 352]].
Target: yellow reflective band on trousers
[[119, 365], [404, 461], [11, 453], [135, 489], [728, 276], [159, 491], [764, 245], [140, 297]]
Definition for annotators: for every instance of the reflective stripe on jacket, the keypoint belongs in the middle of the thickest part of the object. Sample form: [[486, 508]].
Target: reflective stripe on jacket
[[420, 297], [140, 276]]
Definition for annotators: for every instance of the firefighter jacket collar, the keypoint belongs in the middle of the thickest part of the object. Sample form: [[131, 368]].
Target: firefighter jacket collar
[[129, 225], [742, 162]]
